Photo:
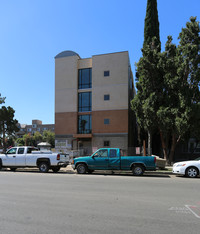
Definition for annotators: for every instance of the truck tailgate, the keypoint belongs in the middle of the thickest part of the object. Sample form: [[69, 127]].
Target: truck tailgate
[[64, 157]]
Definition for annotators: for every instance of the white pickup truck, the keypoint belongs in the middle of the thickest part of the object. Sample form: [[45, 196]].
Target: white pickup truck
[[26, 156]]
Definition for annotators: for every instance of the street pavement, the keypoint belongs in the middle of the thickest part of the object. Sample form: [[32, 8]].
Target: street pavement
[[65, 202]]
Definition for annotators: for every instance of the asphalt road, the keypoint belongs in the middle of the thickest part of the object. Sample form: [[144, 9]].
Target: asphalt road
[[31, 202]]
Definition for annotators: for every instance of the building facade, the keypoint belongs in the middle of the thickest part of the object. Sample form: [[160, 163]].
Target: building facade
[[92, 101], [36, 126]]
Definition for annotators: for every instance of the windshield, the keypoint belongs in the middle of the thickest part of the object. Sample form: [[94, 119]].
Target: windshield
[[197, 159]]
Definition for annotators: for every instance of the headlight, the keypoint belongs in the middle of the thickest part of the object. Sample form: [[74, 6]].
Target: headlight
[[181, 165]]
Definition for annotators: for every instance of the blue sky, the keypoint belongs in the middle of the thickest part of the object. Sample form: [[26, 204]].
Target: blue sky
[[33, 32]]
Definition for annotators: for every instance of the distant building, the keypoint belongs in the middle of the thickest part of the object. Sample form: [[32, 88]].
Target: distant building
[[36, 126], [92, 101]]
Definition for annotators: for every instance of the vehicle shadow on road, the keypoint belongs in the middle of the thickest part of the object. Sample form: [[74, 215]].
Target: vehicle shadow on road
[[185, 177], [36, 171], [102, 173], [125, 174]]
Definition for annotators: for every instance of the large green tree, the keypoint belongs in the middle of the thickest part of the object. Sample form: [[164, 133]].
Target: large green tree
[[38, 137], [49, 137], [149, 90], [170, 102], [8, 125], [20, 141], [33, 140], [147, 71], [28, 140], [181, 65], [188, 74], [151, 28]]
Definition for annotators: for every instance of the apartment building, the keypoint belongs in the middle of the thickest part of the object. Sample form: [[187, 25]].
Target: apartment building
[[92, 101], [36, 126]]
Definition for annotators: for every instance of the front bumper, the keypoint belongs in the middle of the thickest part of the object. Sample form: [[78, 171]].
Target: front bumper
[[179, 170]]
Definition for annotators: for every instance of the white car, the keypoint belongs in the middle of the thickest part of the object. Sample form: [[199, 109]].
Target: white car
[[187, 168]]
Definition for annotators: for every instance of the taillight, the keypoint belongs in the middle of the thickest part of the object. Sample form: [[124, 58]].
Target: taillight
[[58, 156], [155, 159]]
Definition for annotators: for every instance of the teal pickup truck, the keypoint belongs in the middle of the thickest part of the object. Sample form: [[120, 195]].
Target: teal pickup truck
[[111, 159]]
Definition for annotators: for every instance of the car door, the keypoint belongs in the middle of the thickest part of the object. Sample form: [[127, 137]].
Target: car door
[[100, 160], [20, 159], [114, 159], [10, 157]]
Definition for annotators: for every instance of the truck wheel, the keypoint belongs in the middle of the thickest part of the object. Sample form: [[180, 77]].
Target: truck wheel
[[13, 169], [138, 170], [81, 169], [55, 169], [44, 167]]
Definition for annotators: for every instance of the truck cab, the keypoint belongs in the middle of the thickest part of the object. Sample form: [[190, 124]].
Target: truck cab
[[106, 159], [17, 155]]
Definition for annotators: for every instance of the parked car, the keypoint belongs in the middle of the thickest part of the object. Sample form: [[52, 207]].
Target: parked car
[[187, 168], [111, 159]]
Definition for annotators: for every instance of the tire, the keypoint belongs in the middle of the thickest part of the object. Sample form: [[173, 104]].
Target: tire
[[81, 169], [44, 167], [138, 170], [13, 168], [192, 172], [55, 169]]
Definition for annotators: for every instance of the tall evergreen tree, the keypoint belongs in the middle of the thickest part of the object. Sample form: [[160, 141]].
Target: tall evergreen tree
[[151, 28], [149, 91], [149, 77]]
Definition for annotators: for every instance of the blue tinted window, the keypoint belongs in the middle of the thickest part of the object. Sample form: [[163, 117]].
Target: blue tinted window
[[106, 97], [84, 102], [113, 153], [106, 121], [84, 124], [106, 73], [85, 78]]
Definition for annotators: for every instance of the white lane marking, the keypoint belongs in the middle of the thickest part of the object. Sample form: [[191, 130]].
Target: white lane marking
[[193, 212]]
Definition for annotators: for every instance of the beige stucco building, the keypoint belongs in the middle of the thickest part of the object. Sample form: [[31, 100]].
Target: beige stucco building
[[92, 101]]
